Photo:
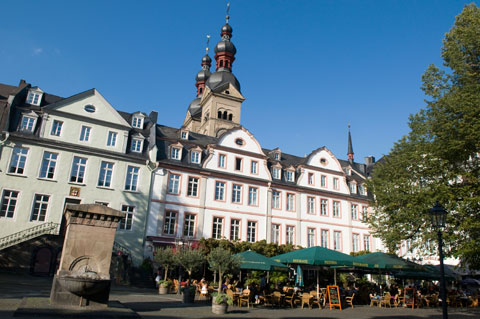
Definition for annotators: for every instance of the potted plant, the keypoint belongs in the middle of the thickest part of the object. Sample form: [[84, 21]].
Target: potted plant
[[220, 303], [189, 293], [163, 287], [190, 259], [221, 261], [165, 257]]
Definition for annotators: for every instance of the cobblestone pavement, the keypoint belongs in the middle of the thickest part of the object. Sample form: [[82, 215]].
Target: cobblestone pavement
[[148, 304]]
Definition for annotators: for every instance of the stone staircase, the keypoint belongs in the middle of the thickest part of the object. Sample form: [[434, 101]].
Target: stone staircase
[[29, 233]]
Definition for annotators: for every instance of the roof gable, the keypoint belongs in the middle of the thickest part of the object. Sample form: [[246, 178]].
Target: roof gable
[[323, 158], [240, 138], [89, 104]]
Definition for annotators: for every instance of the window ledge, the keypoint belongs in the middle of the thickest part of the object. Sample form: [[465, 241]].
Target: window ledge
[[106, 188], [47, 179], [77, 184], [133, 192], [17, 175]]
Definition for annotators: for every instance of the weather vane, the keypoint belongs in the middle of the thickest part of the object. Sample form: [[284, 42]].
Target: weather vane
[[228, 11], [208, 42]]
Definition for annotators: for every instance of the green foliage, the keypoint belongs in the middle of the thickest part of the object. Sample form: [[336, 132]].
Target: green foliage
[[235, 247], [221, 260], [164, 283], [165, 257], [439, 159], [359, 253], [221, 298], [190, 259]]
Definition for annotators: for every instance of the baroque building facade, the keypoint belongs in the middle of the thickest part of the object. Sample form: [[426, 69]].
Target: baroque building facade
[[214, 179]]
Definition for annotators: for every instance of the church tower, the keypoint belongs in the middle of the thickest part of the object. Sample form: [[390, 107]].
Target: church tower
[[220, 98]]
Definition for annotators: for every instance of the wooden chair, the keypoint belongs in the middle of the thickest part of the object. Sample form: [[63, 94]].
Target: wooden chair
[[349, 300], [266, 299], [234, 296], [289, 298], [307, 299], [277, 298], [474, 302], [315, 300], [396, 301], [374, 302], [386, 300], [244, 298]]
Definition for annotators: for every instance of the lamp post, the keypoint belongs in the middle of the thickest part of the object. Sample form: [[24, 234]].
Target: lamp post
[[438, 214]]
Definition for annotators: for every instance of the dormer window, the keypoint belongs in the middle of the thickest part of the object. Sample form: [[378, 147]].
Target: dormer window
[[362, 189], [137, 121], [290, 176], [184, 135], [353, 188], [175, 153], [137, 144], [276, 156], [276, 173], [195, 157], [28, 122], [34, 96]]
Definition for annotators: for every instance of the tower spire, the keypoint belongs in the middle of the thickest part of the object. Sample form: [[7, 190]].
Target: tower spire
[[225, 50], [350, 147], [203, 75]]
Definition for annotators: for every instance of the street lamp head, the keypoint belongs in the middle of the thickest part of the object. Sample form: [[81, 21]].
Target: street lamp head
[[438, 215]]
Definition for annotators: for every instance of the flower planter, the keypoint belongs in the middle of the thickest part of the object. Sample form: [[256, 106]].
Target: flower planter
[[188, 295], [219, 309], [162, 290]]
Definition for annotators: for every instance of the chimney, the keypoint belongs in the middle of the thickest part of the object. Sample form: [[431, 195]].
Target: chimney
[[369, 160]]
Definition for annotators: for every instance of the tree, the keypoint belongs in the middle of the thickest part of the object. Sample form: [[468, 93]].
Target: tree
[[190, 259], [439, 159], [222, 260], [165, 257]]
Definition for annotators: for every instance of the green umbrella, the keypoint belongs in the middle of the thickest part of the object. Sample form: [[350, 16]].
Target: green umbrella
[[381, 260], [318, 256], [254, 261]]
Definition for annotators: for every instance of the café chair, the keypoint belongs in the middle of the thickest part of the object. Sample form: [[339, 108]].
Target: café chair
[[386, 300], [244, 298], [349, 300], [307, 299]]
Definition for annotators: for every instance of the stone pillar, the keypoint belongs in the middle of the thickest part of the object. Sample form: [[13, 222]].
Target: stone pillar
[[83, 277]]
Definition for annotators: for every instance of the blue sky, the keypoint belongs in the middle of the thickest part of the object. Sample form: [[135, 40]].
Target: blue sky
[[306, 68]]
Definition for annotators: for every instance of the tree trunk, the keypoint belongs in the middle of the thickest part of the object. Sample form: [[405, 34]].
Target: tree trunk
[[220, 274], [166, 272]]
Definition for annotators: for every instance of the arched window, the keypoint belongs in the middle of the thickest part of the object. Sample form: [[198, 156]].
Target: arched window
[[201, 90], [219, 114], [221, 63], [226, 63], [225, 115], [230, 117]]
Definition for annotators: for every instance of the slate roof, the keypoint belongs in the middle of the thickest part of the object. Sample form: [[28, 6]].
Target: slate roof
[[19, 105], [167, 136]]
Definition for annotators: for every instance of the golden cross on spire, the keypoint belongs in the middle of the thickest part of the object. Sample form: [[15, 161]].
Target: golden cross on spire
[[208, 41]]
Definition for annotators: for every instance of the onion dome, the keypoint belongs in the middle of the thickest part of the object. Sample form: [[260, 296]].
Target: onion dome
[[206, 60], [225, 45], [194, 108], [219, 78], [202, 75]]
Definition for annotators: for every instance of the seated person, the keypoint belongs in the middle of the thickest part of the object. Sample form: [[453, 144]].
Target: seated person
[[374, 296]]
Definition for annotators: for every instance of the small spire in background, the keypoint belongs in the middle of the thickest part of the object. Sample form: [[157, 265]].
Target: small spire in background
[[228, 12], [350, 147]]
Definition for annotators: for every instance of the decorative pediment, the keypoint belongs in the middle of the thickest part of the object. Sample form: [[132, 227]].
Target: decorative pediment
[[89, 104], [240, 138], [324, 158]]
